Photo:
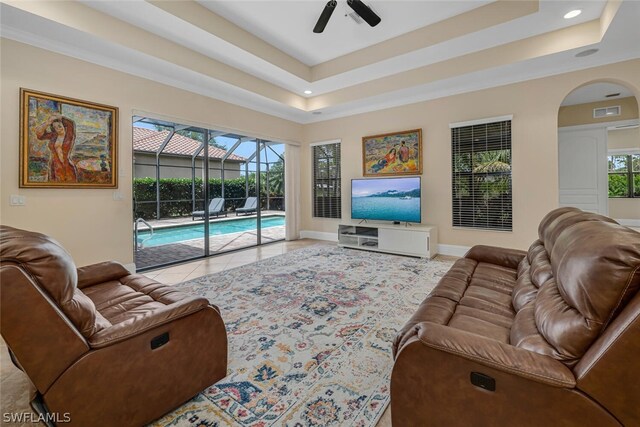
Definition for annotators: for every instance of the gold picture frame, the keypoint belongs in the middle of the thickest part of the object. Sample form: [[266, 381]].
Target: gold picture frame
[[66, 142], [392, 154]]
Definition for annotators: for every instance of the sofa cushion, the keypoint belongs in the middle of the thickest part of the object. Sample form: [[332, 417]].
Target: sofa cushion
[[595, 266], [479, 326], [534, 270], [474, 297], [550, 217], [555, 228], [131, 297], [53, 269], [525, 333]]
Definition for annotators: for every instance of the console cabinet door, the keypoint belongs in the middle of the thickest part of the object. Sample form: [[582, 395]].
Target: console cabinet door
[[412, 242]]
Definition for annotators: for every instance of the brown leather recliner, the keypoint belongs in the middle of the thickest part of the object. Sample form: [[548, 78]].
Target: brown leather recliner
[[545, 337], [101, 345]]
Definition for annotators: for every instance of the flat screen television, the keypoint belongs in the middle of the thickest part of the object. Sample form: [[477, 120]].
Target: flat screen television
[[386, 199]]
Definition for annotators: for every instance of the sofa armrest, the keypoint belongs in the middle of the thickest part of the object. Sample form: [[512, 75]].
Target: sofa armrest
[[492, 353], [90, 275], [504, 257], [138, 325]]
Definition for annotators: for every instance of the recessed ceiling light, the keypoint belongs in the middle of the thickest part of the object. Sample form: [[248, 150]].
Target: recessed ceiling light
[[586, 53], [308, 92], [572, 14]]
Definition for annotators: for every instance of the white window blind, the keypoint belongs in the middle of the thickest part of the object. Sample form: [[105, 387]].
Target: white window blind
[[327, 184], [481, 175]]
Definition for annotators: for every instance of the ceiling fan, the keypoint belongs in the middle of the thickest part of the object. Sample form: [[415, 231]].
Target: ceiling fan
[[361, 9]]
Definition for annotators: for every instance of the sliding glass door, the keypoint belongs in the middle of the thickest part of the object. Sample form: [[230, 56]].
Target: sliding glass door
[[232, 193], [200, 192], [167, 189], [272, 192]]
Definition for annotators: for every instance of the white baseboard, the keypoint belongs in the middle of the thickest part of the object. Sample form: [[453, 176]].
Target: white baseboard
[[453, 250], [320, 235], [131, 267], [629, 222]]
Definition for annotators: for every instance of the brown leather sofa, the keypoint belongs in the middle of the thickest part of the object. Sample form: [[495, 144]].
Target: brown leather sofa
[[101, 345], [545, 337]]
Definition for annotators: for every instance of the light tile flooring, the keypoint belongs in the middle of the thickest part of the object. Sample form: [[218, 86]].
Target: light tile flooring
[[14, 387]]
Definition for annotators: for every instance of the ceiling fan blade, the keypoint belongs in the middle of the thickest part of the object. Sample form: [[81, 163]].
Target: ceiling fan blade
[[324, 16], [364, 12]]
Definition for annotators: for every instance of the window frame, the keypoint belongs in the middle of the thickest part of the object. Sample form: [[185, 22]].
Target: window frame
[[629, 173], [465, 208], [332, 203]]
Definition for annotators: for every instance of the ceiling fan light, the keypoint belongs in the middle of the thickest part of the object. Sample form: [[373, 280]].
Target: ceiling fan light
[[364, 12], [324, 16]]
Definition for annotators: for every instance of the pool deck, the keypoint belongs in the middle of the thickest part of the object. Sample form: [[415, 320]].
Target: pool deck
[[158, 255]]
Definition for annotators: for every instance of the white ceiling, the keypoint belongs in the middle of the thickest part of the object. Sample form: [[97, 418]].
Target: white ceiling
[[287, 26], [595, 92]]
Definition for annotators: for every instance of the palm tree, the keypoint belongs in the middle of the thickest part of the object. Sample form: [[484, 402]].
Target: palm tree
[[492, 161], [276, 178]]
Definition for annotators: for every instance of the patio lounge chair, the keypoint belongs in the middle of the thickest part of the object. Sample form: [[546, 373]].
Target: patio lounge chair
[[216, 208], [250, 206]]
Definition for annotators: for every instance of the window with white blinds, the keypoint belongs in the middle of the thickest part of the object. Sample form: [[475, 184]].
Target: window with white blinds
[[481, 175], [327, 186]]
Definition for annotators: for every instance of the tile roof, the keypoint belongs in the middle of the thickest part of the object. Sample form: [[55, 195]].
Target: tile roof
[[149, 140]]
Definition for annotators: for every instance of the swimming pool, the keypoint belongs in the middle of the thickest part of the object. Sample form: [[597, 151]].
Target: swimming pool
[[164, 236]]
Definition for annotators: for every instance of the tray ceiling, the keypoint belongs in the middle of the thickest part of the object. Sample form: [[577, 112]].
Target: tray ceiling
[[263, 54]]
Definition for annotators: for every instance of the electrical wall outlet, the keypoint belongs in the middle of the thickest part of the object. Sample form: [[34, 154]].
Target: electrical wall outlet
[[17, 200], [118, 196]]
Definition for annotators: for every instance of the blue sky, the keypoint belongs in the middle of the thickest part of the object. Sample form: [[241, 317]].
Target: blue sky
[[365, 187]]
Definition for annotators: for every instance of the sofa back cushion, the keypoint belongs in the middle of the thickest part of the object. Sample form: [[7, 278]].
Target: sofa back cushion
[[560, 223], [52, 268], [590, 269]]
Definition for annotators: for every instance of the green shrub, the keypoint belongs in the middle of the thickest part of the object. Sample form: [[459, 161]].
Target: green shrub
[[175, 195], [618, 186]]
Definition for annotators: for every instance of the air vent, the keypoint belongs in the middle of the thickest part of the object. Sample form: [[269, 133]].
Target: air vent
[[598, 113], [612, 95]]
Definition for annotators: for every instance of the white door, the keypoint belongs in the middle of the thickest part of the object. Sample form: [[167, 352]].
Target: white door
[[582, 162]]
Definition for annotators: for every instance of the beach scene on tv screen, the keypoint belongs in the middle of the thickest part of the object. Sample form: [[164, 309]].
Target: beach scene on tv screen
[[385, 199]]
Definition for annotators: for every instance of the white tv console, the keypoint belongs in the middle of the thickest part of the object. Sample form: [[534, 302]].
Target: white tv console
[[413, 240]]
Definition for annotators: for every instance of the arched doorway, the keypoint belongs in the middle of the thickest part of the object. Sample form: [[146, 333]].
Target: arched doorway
[[599, 151]]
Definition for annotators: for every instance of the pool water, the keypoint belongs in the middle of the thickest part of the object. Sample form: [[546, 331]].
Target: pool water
[[164, 236]]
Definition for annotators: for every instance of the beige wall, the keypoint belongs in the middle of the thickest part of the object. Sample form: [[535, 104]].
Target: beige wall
[[621, 139], [144, 169], [582, 114], [94, 227], [89, 223], [624, 208], [534, 105]]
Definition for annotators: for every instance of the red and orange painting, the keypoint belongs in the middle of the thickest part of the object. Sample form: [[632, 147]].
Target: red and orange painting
[[392, 154], [67, 143]]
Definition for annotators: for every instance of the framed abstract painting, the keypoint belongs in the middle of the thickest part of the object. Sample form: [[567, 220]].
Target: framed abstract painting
[[67, 143], [392, 154]]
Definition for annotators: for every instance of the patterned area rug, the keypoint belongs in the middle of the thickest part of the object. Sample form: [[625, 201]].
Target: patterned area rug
[[310, 337]]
